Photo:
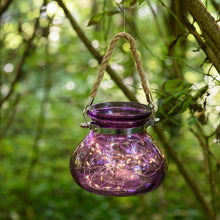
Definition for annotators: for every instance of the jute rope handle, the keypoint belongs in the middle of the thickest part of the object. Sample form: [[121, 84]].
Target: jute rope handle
[[107, 57]]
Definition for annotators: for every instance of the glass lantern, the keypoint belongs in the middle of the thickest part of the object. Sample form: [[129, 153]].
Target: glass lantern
[[118, 157]]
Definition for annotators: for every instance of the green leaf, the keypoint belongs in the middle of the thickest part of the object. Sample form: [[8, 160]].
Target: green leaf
[[192, 120], [176, 109], [170, 85], [186, 104], [128, 3], [160, 93], [96, 19], [140, 1], [200, 92], [181, 106], [175, 85]]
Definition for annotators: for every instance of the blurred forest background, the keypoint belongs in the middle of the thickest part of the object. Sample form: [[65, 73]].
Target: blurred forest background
[[49, 59]]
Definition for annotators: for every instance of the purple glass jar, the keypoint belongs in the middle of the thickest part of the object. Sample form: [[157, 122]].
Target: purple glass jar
[[118, 157]]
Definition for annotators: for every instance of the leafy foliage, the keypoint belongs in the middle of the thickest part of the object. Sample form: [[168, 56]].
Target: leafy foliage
[[176, 97]]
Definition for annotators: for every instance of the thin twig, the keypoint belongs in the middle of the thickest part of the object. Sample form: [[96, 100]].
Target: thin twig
[[209, 27], [209, 53], [187, 176], [207, 24], [4, 6], [41, 117], [211, 182], [203, 146], [206, 153], [158, 25], [11, 116], [18, 71], [216, 6], [175, 17]]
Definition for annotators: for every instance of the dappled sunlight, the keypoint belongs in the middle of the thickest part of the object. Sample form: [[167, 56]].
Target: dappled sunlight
[[8, 68], [52, 8], [70, 85]]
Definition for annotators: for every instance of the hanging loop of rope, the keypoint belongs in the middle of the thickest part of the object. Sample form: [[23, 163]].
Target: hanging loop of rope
[[137, 60], [103, 67]]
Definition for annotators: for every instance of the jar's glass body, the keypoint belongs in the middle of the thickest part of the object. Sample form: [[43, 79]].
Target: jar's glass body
[[118, 164]]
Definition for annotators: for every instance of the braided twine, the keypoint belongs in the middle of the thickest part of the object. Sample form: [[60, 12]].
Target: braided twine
[[107, 57]]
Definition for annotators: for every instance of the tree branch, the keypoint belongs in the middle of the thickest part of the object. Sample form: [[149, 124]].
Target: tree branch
[[18, 71], [216, 6], [4, 6], [41, 118], [209, 173], [203, 145], [207, 24], [11, 116], [207, 50], [188, 178], [158, 25]]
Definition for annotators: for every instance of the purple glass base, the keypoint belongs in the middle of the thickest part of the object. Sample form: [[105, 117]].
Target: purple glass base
[[118, 165]]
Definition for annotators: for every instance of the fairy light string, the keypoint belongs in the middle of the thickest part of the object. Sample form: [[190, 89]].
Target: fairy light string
[[115, 162]]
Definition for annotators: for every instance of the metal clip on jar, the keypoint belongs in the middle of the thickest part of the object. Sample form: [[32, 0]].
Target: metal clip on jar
[[118, 157]]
